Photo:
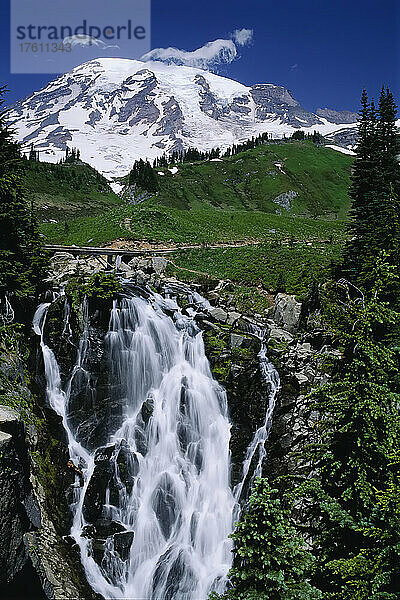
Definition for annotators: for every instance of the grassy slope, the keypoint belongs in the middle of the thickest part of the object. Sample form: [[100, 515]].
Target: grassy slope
[[63, 192], [250, 180], [231, 201], [262, 265], [161, 224]]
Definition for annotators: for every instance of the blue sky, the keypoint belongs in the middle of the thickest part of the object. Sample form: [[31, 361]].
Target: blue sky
[[324, 51]]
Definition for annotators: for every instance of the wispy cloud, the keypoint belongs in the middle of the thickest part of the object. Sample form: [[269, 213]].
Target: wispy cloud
[[243, 37], [209, 57]]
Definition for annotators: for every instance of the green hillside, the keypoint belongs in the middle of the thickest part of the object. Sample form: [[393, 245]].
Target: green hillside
[[251, 180], [66, 191], [155, 223], [214, 202]]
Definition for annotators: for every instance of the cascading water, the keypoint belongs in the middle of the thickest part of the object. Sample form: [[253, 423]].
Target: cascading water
[[158, 527]]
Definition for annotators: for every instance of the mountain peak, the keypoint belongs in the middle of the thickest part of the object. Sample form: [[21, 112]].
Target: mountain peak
[[116, 110]]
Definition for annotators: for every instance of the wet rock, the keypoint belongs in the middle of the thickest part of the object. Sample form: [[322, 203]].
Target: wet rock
[[164, 504], [128, 466], [122, 543], [104, 528], [147, 410], [98, 548], [95, 495], [179, 581]]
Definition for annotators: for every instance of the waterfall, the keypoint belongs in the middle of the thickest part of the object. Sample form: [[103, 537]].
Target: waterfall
[[154, 509]]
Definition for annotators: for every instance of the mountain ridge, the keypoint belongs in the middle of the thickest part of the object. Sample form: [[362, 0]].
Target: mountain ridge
[[118, 110]]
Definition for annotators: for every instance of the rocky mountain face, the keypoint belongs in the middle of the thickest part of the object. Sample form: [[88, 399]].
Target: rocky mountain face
[[118, 110], [336, 116]]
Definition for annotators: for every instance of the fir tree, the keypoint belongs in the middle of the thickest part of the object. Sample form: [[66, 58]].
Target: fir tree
[[22, 262], [374, 214], [271, 562], [10, 156], [356, 544]]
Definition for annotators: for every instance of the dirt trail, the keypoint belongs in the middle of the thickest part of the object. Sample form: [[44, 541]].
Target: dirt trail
[[123, 244]]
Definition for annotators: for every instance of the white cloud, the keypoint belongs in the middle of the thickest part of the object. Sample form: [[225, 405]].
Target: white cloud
[[86, 41], [208, 57], [243, 37]]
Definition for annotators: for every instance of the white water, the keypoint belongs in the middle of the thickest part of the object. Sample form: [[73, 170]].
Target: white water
[[179, 505], [257, 444]]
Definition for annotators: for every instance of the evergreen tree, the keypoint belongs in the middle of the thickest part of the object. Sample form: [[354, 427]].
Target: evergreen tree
[[356, 540], [143, 176], [374, 214], [298, 135], [270, 562], [387, 143], [22, 262], [10, 156]]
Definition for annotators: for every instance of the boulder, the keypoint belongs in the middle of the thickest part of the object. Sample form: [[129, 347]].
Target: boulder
[[60, 258], [133, 263], [124, 268], [279, 335], [287, 312], [159, 264], [9, 420], [144, 263], [236, 340], [233, 317], [218, 314], [142, 277]]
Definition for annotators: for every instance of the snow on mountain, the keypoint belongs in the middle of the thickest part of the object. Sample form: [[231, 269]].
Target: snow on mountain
[[118, 110]]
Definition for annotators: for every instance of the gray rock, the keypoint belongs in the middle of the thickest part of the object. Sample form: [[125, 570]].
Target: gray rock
[[284, 200], [219, 315], [210, 326], [236, 340], [233, 317], [62, 257], [280, 335], [337, 116], [159, 264], [275, 99], [133, 263], [5, 438], [7, 415], [301, 378], [143, 263], [287, 312], [124, 268], [142, 277]]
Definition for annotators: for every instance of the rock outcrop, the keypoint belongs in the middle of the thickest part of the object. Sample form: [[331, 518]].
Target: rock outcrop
[[35, 559], [18, 507]]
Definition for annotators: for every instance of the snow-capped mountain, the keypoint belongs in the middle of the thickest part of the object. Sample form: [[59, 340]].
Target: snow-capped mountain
[[118, 110]]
